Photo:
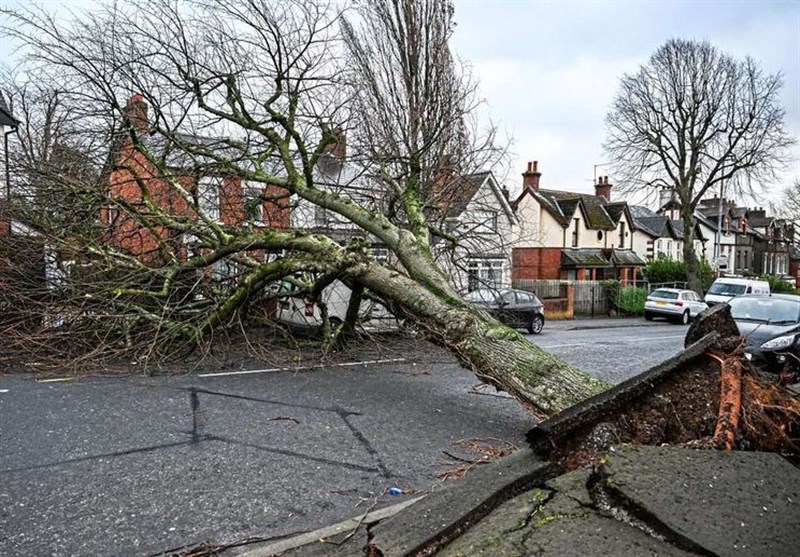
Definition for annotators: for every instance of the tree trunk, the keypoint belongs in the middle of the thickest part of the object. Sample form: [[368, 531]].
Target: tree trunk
[[690, 260], [500, 356]]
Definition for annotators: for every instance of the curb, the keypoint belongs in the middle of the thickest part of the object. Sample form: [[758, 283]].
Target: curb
[[328, 531]]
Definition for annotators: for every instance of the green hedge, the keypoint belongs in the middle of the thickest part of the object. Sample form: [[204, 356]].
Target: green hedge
[[666, 269], [627, 300]]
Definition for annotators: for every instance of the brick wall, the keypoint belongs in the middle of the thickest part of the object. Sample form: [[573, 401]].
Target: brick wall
[[535, 263], [131, 176]]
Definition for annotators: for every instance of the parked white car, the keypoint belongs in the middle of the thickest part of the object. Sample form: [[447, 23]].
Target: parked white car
[[297, 310], [677, 305]]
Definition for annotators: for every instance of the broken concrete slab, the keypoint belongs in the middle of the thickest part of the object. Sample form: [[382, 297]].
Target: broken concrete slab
[[443, 515], [582, 416], [725, 503], [551, 523]]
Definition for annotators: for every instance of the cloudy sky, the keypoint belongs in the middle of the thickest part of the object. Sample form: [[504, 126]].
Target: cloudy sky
[[550, 69]]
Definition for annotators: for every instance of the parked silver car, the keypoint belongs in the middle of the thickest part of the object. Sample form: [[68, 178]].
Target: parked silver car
[[678, 305]]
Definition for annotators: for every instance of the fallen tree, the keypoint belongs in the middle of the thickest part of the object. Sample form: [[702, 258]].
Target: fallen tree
[[261, 93]]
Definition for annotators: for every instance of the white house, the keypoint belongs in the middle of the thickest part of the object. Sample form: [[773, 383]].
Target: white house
[[569, 235]]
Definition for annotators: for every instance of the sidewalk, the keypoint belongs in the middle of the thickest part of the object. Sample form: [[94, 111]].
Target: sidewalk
[[585, 322]]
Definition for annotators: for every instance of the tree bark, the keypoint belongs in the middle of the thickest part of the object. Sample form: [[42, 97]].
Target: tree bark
[[498, 355]]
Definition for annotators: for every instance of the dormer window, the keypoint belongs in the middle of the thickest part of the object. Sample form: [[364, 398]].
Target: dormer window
[[727, 226], [743, 225]]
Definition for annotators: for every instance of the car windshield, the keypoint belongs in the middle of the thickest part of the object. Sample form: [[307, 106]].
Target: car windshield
[[727, 289], [665, 294], [765, 310]]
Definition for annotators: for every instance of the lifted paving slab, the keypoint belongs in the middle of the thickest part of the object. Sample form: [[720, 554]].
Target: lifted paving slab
[[666, 501], [463, 503], [727, 503]]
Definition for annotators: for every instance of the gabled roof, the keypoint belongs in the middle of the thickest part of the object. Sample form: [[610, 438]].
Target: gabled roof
[[654, 226], [6, 118], [461, 191], [615, 210], [563, 204], [641, 212]]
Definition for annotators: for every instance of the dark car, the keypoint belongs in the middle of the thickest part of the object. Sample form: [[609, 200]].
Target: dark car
[[515, 308], [771, 327]]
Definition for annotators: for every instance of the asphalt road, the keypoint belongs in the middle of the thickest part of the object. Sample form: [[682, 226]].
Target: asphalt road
[[137, 466]]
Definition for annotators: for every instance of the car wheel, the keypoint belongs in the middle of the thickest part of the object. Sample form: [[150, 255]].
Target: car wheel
[[536, 325], [685, 317], [335, 323], [648, 316]]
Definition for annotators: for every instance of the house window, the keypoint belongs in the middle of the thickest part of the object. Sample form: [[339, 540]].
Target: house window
[[669, 248], [324, 218], [484, 273], [208, 196], [575, 237], [484, 221], [727, 226], [622, 234], [254, 206], [659, 246]]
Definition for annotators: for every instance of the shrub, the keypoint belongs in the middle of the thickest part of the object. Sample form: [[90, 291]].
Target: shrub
[[664, 269], [628, 300], [778, 285]]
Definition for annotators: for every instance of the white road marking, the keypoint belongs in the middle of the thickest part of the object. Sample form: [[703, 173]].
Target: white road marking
[[3, 390], [300, 368]]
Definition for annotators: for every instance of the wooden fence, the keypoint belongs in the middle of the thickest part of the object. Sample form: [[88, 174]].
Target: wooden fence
[[590, 296]]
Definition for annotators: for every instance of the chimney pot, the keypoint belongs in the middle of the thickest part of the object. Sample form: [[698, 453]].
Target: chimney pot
[[136, 112], [530, 178], [603, 188]]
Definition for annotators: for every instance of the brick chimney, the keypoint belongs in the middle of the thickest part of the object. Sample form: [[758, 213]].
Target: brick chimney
[[339, 148], [136, 113], [602, 188], [530, 178], [332, 161]]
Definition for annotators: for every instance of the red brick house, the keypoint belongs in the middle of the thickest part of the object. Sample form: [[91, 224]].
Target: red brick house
[[136, 182], [568, 235]]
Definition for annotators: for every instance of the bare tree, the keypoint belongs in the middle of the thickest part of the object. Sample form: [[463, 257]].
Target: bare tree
[[259, 92], [693, 119]]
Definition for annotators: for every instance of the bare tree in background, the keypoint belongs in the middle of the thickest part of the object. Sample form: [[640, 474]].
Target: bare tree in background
[[692, 120], [262, 91]]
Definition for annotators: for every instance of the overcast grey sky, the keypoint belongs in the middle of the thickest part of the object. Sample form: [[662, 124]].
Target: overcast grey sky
[[550, 69]]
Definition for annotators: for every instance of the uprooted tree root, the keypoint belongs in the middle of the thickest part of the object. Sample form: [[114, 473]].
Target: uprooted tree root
[[720, 402]]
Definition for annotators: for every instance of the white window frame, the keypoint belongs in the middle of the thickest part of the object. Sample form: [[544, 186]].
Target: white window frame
[[251, 194], [208, 190], [485, 273]]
